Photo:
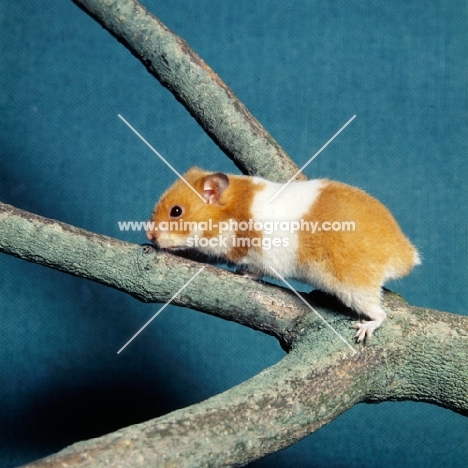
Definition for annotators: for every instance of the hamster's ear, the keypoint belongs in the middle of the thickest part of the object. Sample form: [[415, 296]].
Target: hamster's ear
[[213, 187]]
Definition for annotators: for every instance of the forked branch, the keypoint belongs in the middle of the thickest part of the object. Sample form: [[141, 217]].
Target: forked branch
[[419, 354]]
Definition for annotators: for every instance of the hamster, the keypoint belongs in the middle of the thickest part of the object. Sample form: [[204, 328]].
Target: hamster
[[330, 235]]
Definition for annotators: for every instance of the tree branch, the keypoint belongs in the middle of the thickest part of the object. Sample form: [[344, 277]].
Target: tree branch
[[418, 355], [147, 274], [422, 357], [208, 99]]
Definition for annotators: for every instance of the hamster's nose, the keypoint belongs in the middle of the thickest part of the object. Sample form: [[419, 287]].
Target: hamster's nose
[[150, 236]]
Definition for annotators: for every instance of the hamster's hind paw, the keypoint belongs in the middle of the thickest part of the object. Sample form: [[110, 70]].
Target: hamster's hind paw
[[365, 329]]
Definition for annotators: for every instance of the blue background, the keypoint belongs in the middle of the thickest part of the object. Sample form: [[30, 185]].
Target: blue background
[[303, 68]]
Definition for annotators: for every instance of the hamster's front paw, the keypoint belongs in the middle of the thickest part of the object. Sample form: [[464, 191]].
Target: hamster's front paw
[[248, 274]]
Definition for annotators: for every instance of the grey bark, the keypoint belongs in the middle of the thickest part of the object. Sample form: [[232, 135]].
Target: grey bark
[[213, 104], [418, 354]]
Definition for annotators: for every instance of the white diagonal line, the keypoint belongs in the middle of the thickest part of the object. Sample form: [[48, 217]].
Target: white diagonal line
[[161, 309], [159, 156], [313, 310], [312, 158]]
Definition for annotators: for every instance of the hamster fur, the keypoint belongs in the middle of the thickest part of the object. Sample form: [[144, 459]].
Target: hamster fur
[[355, 247]]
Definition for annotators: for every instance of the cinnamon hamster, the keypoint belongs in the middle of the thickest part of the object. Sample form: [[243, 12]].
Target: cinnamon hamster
[[330, 235]]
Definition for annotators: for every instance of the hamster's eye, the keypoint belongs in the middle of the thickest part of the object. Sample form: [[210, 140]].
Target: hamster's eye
[[176, 211]]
